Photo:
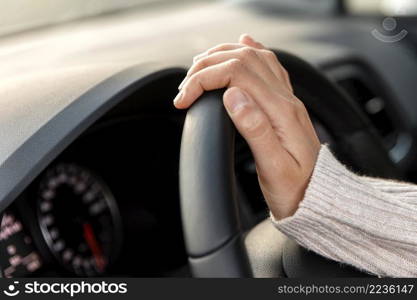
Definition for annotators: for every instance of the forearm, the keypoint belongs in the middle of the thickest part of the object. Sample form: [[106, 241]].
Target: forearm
[[351, 219]]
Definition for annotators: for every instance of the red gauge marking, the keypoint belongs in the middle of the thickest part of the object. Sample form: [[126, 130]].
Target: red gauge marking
[[94, 246]]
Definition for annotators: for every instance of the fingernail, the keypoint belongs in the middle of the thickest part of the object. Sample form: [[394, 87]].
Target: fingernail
[[178, 98], [237, 101], [182, 83]]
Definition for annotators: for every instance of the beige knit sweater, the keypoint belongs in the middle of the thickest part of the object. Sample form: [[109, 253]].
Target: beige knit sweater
[[365, 222]]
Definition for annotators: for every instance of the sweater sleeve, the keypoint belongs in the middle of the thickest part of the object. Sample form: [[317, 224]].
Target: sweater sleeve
[[408, 191], [368, 223]]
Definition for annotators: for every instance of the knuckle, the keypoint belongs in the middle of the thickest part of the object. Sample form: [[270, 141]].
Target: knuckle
[[235, 65], [302, 111], [248, 53], [253, 124], [201, 64], [270, 54], [285, 72], [298, 110], [199, 56], [217, 48], [297, 102], [194, 78], [301, 108]]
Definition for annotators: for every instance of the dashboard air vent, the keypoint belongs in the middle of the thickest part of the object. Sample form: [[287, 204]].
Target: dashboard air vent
[[373, 105]]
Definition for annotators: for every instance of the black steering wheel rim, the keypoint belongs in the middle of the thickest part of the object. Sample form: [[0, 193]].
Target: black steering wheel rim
[[209, 205]]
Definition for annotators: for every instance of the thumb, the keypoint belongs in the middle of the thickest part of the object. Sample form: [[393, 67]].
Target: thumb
[[256, 128]]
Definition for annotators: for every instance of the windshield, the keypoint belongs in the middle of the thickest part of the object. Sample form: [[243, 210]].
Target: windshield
[[18, 15], [385, 7]]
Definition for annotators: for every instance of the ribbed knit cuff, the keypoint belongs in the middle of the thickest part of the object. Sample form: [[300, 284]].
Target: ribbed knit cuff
[[345, 218]]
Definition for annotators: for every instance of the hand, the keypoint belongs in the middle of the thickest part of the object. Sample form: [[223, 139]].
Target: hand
[[260, 101]]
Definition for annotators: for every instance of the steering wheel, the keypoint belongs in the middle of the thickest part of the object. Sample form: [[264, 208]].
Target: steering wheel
[[215, 243]]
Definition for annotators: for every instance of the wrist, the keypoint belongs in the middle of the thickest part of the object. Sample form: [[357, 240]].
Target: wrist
[[286, 203]]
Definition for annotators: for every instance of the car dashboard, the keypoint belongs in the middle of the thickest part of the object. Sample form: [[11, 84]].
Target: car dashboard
[[93, 190], [112, 193]]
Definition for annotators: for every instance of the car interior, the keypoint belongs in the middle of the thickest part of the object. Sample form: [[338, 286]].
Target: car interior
[[100, 175]]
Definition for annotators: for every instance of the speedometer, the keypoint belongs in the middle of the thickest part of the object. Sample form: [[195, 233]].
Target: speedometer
[[79, 219]]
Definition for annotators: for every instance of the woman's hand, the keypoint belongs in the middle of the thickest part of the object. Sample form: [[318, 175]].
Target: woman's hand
[[261, 104]]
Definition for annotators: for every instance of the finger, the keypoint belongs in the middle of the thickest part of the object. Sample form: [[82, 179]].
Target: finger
[[247, 40], [280, 108], [234, 72], [230, 46], [277, 68], [229, 73], [281, 111], [221, 47], [270, 58], [248, 55], [254, 125]]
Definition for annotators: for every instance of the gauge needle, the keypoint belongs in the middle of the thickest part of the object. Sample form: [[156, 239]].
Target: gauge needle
[[94, 246]]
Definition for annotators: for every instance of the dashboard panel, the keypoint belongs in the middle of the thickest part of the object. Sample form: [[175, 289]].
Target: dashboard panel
[[18, 254], [118, 223], [108, 204], [109, 115]]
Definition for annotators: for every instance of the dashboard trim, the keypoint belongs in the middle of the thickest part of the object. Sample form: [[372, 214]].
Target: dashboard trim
[[28, 161]]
